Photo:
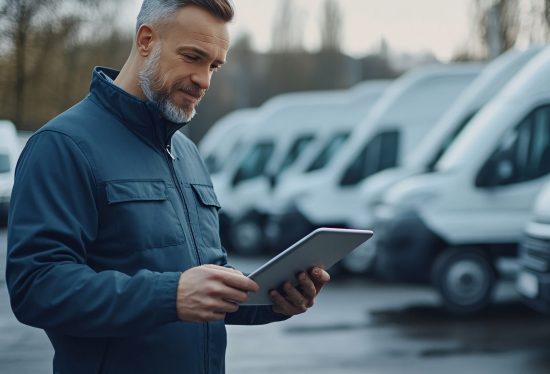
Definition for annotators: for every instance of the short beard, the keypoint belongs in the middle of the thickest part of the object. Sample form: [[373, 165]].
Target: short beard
[[150, 79]]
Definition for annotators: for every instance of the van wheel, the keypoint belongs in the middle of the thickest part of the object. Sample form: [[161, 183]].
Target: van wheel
[[465, 279], [247, 237]]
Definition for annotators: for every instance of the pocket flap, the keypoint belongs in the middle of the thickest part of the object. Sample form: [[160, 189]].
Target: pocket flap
[[206, 195], [124, 191]]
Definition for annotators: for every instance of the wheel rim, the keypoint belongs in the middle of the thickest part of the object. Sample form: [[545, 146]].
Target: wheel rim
[[467, 282]]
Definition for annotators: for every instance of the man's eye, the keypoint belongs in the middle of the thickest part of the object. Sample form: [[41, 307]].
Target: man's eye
[[214, 68], [191, 58]]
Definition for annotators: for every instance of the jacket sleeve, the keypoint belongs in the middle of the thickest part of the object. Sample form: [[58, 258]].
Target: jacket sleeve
[[52, 221], [254, 315]]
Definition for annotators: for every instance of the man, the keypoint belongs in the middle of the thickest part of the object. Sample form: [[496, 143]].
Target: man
[[113, 235]]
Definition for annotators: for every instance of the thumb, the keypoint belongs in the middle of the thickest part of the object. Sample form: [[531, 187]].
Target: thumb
[[319, 277]]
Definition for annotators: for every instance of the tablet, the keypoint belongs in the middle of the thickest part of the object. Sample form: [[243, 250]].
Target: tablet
[[323, 248]]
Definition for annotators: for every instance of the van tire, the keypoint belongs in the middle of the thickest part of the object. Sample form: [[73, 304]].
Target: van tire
[[465, 279]]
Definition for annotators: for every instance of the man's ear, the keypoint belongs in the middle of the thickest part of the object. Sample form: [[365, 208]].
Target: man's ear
[[145, 40]]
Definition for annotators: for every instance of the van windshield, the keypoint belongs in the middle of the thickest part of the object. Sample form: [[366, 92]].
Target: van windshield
[[378, 154], [255, 162], [4, 163], [328, 151], [448, 141], [215, 162], [295, 151]]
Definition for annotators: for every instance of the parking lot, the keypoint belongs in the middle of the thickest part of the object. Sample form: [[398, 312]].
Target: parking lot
[[357, 326]]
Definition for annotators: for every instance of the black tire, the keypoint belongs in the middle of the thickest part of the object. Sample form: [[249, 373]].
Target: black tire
[[247, 235], [465, 279]]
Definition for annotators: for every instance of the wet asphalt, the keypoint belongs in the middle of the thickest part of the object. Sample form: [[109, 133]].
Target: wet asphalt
[[358, 325]]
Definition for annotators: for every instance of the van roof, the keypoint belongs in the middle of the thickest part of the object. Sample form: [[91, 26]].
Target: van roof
[[534, 78]]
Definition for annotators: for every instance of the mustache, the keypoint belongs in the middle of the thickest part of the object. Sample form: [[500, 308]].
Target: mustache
[[192, 90]]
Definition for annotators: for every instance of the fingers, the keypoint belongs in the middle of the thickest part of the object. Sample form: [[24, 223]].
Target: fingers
[[319, 277], [283, 306], [297, 300], [293, 295], [307, 286], [234, 278], [240, 282], [208, 292], [225, 268]]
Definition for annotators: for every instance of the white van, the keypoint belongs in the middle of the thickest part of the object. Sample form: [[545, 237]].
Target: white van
[[223, 140], [454, 224], [284, 128], [9, 152], [333, 137], [491, 80], [533, 279], [408, 109]]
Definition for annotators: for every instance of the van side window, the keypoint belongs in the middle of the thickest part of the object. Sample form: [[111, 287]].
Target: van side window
[[379, 154], [255, 162], [328, 151], [4, 163], [299, 145], [522, 155]]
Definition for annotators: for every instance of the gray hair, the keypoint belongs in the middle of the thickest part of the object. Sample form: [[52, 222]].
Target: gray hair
[[153, 11]]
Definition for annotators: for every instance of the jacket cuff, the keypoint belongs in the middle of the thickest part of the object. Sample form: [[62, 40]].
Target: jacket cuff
[[166, 290]]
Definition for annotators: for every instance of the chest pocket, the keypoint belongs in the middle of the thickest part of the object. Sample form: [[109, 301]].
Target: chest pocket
[[141, 215], [207, 214]]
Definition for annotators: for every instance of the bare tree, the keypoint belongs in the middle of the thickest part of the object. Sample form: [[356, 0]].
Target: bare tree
[[31, 28], [17, 18], [497, 23], [287, 29], [331, 27]]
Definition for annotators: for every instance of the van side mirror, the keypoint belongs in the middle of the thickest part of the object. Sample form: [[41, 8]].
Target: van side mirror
[[496, 172]]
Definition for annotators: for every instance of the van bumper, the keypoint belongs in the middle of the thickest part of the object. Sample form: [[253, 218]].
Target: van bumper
[[405, 248], [540, 301], [533, 279]]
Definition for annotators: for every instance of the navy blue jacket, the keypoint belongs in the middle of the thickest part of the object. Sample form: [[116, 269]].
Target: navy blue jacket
[[110, 204]]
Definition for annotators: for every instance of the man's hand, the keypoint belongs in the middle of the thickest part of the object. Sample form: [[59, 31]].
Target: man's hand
[[297, 300], [208, 292]]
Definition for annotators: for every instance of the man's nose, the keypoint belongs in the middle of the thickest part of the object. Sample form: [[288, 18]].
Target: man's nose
[[202, 78]]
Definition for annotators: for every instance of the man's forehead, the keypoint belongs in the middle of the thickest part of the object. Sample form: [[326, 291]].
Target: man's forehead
[[196, 23], [220, 41]]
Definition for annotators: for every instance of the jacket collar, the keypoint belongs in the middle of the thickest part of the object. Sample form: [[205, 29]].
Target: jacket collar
[[141, 116]]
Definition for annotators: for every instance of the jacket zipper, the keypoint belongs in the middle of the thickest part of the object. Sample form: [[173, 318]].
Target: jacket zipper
[[170, 161]]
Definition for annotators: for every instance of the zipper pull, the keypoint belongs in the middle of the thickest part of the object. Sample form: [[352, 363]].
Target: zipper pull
[[169, 153]]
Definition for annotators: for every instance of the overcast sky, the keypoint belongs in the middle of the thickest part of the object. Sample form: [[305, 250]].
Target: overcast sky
[[439, 26]]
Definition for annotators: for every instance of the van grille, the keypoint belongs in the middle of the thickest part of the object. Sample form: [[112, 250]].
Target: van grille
[[535, 254]]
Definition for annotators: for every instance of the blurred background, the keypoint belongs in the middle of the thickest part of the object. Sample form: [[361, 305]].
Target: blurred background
[[48, 47], [427, 122]]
